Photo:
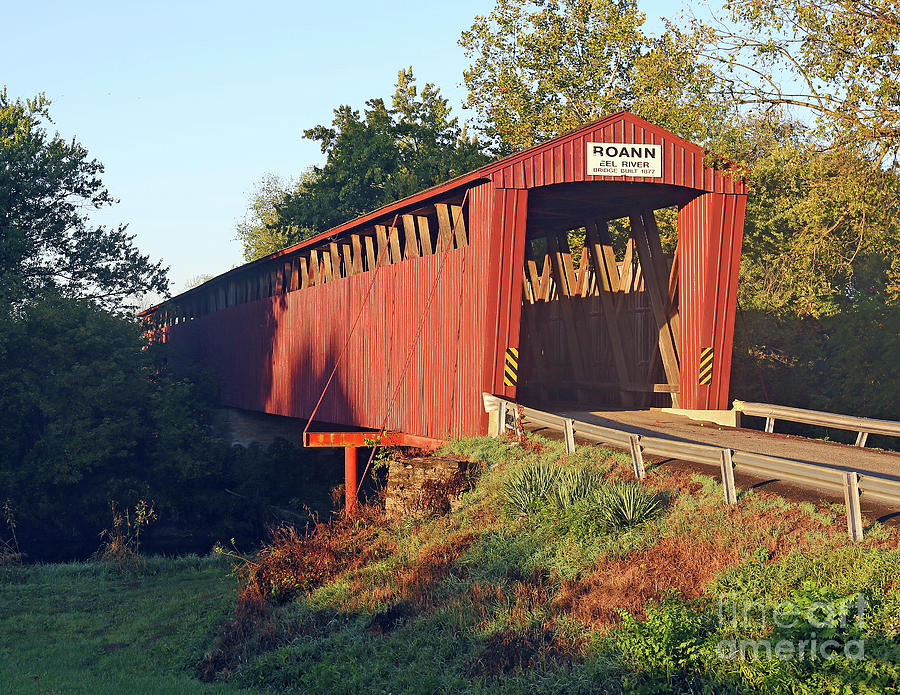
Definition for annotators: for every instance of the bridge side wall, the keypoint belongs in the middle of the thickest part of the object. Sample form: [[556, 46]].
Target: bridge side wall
[[413, 361]]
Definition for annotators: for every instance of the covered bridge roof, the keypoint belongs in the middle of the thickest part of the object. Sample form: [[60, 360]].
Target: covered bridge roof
[[557, 161]]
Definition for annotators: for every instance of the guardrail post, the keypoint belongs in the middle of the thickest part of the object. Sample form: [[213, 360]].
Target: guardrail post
[[569, 429], [861, 438], [854, 512], [501, 418], [770, 424], [728, 477], [637, 456]]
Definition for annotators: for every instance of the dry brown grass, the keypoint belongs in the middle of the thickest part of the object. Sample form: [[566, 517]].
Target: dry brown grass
[[511, 651], [525, 440], [438, 496], [674, 564], [696, 546], [293, 562]]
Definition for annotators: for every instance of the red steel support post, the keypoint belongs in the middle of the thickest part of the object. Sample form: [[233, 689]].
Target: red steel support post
[[350, 479]]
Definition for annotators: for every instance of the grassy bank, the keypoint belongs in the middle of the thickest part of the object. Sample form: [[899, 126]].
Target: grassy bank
[[535, 582], [518, 591], [89, 628]]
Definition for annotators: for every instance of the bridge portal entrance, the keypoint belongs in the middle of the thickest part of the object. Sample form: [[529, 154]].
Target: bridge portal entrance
[[600, 323]]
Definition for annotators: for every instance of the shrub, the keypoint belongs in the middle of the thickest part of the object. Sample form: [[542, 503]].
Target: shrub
[[295, 562], [671, 642], [573, 486], [623, 506], [528, 490], [122, 544]]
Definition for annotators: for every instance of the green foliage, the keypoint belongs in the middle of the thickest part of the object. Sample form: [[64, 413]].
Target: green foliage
[[48, 187], [260, 231], [572, 486], [679, 648], [67, 369], [671, 642], [607, 508], [845, 363], [822, 613], [835, 59], [528, 490], [378, 157], [623, 506], [569, 518], [543, 68], [819, 275], [821, 231], [100, 417], [843, 570]]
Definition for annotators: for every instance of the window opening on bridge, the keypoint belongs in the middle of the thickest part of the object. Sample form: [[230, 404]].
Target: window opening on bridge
[[432, 229]]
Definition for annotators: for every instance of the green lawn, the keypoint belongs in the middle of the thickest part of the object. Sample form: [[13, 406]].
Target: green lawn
[[88, 628]]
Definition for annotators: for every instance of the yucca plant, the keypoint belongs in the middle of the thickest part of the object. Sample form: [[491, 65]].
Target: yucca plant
[[528, 490], [573, 486], [623, 506]]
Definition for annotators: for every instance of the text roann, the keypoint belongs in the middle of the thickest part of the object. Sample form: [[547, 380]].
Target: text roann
[[623, 159], [625, 151]]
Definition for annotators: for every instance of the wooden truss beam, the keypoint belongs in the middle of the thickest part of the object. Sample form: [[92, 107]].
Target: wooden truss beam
[[653, 267], [606, 270]]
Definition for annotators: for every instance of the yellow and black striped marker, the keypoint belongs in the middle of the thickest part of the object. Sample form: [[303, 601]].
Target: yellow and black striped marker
[[511, 369], [706, 364]]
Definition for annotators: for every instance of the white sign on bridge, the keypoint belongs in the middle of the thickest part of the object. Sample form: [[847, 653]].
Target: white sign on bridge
[[620, 159]]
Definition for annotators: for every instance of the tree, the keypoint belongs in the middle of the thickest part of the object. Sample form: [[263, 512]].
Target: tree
[[196, 281], [378, 157], [48, 187], [94, 417], [834, 59], [822, 225], [260, 231], [92, 414], [541, 68]]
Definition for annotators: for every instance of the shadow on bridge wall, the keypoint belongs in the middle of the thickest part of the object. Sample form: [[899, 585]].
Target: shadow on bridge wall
[[263, 360], [410, 364]]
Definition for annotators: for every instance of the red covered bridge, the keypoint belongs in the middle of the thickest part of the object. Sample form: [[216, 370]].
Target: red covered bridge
[[472, 286]]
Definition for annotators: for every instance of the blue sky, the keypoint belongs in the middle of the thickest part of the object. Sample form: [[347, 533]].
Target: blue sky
[[188, 104]]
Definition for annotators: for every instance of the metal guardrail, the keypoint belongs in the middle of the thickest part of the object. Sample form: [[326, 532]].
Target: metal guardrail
[[863, 426], [854, 484]]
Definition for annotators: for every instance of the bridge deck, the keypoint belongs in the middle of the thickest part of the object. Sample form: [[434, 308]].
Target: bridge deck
[[679, 428]]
